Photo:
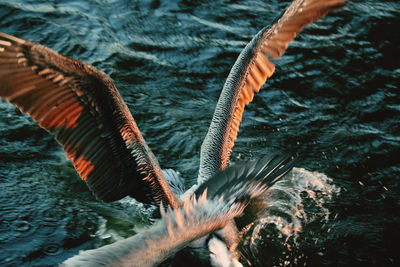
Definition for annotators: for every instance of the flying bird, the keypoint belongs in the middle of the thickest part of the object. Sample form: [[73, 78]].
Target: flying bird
[[83, 109]]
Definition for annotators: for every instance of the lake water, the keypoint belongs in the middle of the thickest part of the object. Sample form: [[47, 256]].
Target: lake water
[[334, 99]]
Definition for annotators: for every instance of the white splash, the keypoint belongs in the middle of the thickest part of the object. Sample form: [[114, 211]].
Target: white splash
[[296, 200]]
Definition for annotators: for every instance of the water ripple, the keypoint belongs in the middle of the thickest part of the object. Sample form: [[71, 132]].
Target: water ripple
[[333, 99]]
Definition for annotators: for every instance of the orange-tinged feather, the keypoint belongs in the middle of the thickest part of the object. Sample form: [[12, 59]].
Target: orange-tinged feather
[[251, 81], [57, 116], [73, 117], [246, 94], [263, 67], [270, 66], [39, 111], [270, 52], [83, 167], [235, 125], [258, 76], [86, 173]]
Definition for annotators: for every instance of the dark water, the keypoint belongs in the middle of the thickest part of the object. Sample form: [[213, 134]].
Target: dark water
[[334, 99]]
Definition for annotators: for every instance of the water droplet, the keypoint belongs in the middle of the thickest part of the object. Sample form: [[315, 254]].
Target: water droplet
[[52, 249], [21, 226], [48, 227]]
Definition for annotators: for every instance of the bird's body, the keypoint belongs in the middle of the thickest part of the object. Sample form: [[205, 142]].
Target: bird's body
[[82, 108]]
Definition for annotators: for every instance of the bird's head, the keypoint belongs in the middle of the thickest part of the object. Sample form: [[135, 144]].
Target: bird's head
[[220, 254], [215, 249]]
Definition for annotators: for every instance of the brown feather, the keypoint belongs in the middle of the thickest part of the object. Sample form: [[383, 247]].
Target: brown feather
[[82, 108]]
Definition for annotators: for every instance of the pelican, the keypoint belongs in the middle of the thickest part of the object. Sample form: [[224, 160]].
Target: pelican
[[82, 108]]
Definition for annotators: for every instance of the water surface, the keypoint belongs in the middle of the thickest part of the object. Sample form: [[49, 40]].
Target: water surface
[[334, 99]]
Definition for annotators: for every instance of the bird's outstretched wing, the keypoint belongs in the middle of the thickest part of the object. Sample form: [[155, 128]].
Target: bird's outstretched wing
[[248, 74], [81, 107]]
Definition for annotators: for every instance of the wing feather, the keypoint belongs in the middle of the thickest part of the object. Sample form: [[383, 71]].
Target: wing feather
[[81, 107], [250, 71], [246, 180]]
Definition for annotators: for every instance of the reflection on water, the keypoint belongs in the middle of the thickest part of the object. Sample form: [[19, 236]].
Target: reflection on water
[[334, 99]]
